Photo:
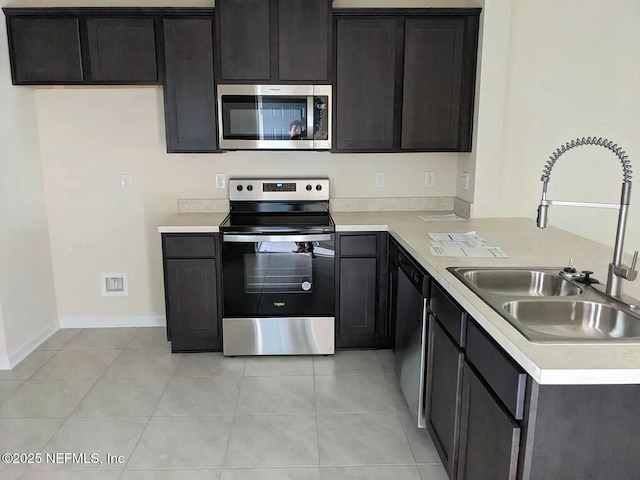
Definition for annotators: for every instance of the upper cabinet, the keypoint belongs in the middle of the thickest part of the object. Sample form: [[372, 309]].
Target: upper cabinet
[[189, 99], [52, 46], [365, 84], [405, 79], [274, 41], [45, 50], [122, 49]]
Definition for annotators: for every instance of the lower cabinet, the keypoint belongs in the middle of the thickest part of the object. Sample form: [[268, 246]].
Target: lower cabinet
[[490, 437], [361, 292], [493, 400], [444, 391], [192, 292], [447, 338]]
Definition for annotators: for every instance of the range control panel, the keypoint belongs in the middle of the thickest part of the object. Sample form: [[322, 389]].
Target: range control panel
[[266, 189]]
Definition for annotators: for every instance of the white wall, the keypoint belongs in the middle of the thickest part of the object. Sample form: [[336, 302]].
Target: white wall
[[573, 72], [484, 162], [27, 295], [90, 136]]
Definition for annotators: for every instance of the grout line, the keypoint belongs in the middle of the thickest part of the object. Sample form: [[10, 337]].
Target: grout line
[[315, 404], [146, 426], [131, 339], [96, 380], [22, 382], [233, 418]]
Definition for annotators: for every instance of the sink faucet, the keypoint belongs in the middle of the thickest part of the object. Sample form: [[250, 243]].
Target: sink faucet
[[617, 270]]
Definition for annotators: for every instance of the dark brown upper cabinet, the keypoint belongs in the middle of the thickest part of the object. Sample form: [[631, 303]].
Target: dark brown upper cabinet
[[404, 79], [122, 49], [89, 46], [44, 50], [365, 84], [189, 98], [274, 41]]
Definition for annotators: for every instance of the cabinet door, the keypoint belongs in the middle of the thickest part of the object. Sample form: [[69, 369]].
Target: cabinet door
[[192, 304], [489, 437], [362, 291], [365, 84], [244, 32], [303, 40], [122, 50], [189, 95], [358, 294], [444, 390], [434, 106], [45, 50]]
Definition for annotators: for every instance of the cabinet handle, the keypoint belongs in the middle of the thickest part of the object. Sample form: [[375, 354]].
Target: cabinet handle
[[421, 396]]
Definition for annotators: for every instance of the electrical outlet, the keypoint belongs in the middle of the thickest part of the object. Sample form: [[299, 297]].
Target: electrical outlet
[[126, 182], [380, 179], [464, 181], [430, 179], [220, 181]]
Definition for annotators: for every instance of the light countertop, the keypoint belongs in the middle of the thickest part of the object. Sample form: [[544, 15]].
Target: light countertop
[[193, 223], [526, 245]]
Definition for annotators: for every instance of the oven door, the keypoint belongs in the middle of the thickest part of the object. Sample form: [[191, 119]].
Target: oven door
[[278, 294], [278, 275], [274, 116]]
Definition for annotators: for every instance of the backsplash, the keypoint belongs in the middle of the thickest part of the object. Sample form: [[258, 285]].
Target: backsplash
[[391, 204], [462, 208], [203, 205]]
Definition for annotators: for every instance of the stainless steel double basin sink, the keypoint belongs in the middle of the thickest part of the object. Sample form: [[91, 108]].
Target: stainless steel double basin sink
[[544, 307]]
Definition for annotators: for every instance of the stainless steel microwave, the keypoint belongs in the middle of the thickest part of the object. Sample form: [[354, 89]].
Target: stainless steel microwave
[[274, 117]]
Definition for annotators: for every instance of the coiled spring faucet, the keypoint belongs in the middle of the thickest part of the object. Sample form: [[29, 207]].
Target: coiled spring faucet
[[617, 270]]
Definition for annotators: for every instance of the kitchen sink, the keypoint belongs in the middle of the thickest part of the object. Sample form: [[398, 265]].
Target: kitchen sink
[[574, 319], [545, 307], [533, 283]]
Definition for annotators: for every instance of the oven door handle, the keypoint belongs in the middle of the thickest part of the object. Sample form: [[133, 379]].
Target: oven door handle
[[228, 238]]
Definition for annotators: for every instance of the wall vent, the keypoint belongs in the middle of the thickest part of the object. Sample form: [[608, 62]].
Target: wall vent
[[114, 285]]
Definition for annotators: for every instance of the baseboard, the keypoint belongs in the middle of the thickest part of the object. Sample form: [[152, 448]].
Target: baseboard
[[14, 358], [106, 322]]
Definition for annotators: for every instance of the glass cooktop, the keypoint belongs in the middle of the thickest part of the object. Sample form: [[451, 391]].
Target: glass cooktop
[[282, 223]]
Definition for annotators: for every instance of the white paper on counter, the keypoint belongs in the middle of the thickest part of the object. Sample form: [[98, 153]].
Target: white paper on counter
[[468, 244], [477, 252], [456, 237], [452, 217]]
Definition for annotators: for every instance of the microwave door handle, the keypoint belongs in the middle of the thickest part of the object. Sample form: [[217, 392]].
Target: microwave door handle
[[310, 117]]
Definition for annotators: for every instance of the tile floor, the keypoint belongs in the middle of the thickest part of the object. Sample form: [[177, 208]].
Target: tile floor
[[167, 416]]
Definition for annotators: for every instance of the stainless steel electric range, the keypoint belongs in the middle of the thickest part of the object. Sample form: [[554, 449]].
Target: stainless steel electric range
[[278, 268]]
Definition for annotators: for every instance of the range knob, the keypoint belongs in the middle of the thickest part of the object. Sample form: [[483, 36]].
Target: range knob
[[318, 187], [250, 187], [239, 188], [309, 187]]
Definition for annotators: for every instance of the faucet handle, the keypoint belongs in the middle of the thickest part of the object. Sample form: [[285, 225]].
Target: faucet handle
[[630, 273]]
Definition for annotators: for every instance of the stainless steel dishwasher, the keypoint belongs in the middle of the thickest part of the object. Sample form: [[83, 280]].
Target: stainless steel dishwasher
[[411, 321]]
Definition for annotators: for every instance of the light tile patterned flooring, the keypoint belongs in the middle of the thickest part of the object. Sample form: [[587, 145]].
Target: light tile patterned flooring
[[204, 416]]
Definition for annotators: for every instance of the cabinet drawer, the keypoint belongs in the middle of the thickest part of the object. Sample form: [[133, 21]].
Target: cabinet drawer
[[501, 373], [359, 245], [451, 316], [189, 246]]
